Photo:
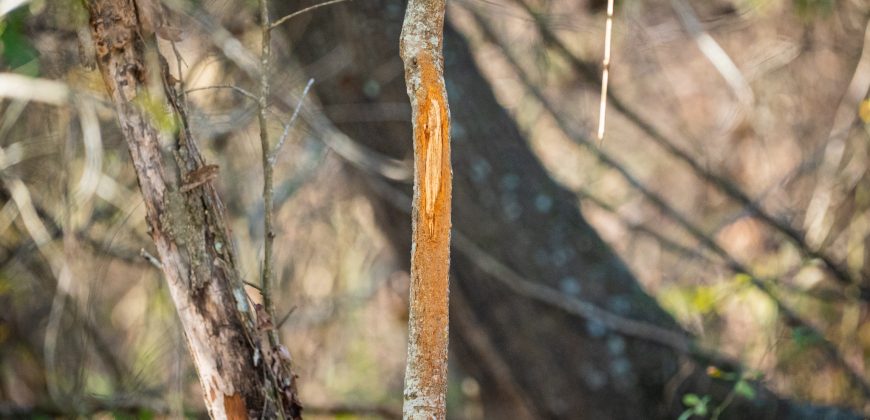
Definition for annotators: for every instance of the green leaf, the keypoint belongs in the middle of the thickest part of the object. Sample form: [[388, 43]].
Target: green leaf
[[16, 50], [691, 400], [698, 406], [701, 409], [686, 415], [744, 389]]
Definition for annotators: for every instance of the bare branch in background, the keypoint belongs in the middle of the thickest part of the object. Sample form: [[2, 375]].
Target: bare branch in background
[[838, 270], [303, 11], [277, 149], [16, 86], [676, 340], [817, 220], [353, 152], [92, 139], [715, 54], [241, 91], [787, 313]]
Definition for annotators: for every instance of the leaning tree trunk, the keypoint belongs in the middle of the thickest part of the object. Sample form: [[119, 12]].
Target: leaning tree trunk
[[186, 221], [425, 394], [532, 359]]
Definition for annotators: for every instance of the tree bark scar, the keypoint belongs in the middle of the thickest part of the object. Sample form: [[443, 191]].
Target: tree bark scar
[[426, 370], [432, 168], [433, 139]]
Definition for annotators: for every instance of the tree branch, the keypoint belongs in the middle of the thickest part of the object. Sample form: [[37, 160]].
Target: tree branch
[[188, 227]]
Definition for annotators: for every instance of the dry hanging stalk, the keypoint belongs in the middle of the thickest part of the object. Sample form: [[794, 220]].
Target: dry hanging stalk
[[426, 371], [605, 69]]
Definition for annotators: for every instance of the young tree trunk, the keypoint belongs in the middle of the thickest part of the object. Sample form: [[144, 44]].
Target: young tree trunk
[[426, 371], [186, 221]]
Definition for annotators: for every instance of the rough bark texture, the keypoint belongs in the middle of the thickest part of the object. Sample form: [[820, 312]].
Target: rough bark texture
[[426, 370], [532, 360], [185, 217]]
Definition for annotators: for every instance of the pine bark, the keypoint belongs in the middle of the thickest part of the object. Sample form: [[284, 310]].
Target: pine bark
[[425, 394]]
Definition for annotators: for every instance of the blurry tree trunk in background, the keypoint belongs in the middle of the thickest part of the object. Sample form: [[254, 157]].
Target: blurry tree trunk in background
[[186, 221], [425, 394], [532, 360]]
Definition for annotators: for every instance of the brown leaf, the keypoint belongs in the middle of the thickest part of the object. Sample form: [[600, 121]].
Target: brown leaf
[[264, 321]]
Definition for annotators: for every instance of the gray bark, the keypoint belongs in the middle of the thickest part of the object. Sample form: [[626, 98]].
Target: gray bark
[[186, 221], [425, 393]]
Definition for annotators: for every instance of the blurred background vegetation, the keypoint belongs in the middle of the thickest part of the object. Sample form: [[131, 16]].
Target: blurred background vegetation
[[769, 96]]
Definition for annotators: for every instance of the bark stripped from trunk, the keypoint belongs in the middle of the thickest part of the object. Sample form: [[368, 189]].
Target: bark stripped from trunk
[[186, 221], [426, 371]]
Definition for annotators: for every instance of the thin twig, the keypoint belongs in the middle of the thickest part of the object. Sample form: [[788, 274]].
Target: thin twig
[[241, 91], [285, 318], [254, 285], [289, 125], [268, 191], [91, 138], [268, 168], [817, 220], [350, 150], [303, 11], [665, 242], [151, 259], [714, 53]]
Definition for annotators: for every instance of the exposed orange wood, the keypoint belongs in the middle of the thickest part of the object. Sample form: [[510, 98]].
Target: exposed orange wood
[[426, 372]]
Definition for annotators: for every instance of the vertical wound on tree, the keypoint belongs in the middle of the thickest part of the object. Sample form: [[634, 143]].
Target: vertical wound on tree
[[432, 136], [432, 169], [426, 373]]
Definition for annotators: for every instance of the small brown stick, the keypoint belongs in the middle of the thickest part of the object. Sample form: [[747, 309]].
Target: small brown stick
[[278, 22]]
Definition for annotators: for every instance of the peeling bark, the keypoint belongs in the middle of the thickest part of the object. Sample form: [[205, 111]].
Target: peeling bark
[[426, 371], [186, 221]]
